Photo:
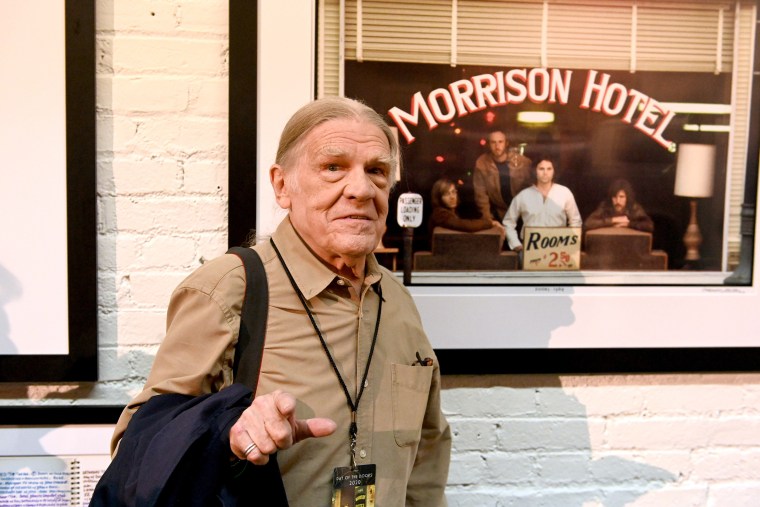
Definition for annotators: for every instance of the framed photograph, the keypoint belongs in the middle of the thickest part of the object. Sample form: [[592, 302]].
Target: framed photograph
[[482, 92], [48, 306]]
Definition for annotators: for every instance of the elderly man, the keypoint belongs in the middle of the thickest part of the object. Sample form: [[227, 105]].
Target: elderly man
[[499, 175], [348, 376]]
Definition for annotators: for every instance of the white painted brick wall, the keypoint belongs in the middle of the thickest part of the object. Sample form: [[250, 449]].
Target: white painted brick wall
[[162, 173], [655, 440]]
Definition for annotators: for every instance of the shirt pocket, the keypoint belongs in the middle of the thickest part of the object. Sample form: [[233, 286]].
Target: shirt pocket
[[410, 390]]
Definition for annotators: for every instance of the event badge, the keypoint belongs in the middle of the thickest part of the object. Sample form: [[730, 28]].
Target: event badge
[[354, 486]]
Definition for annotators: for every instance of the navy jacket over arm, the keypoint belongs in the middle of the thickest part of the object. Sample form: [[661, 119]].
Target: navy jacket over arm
[[176, 451]]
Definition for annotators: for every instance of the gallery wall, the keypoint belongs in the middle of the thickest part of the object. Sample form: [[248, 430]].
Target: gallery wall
[[162, 84]]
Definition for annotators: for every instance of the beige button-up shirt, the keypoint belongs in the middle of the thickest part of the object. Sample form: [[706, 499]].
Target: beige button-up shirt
[[400, 425]]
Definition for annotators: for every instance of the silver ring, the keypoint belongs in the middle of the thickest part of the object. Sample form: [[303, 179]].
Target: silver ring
[[248, 450]]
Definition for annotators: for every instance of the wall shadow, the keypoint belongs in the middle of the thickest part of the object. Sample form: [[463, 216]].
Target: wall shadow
[[526, 441], [10, 289]]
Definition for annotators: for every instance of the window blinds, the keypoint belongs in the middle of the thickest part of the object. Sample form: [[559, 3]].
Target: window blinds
[[622, 35]]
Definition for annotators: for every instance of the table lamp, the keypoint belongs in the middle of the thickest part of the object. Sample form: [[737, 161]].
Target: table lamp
[[694, 179]]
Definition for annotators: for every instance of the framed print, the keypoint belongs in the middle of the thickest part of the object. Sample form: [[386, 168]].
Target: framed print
[[48, 307], [649, 100]]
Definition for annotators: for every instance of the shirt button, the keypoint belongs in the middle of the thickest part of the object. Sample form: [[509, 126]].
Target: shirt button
[[366, 383], [363, 453], [341, 281]]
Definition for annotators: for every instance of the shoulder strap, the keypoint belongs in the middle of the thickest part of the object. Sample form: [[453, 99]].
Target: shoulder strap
[[245, 367], [253, 319]]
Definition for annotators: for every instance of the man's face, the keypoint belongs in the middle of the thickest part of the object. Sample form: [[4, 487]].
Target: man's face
[[497, 143], [337, 189], [619, 201], [450, 198], [545, 172]]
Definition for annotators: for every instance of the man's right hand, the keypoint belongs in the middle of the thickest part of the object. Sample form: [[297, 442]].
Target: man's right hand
[[270, 424]]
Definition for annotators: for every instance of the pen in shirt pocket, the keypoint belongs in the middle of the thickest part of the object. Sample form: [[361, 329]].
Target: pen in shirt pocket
[[422, 362]]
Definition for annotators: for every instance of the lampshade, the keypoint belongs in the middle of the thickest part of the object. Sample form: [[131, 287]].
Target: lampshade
[[695, 170]]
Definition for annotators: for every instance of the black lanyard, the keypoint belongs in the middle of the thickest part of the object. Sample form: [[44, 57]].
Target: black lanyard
[[353, 405]]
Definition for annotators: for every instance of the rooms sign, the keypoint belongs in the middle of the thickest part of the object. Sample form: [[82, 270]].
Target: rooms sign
[[552, 248]]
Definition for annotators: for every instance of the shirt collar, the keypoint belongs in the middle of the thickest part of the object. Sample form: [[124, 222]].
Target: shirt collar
[[311, 275]]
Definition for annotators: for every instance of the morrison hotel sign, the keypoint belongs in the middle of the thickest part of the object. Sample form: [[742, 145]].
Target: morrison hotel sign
[[556, 248], [538, 85]]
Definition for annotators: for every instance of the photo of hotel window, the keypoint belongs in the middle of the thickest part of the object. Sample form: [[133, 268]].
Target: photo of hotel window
[[611, 90]]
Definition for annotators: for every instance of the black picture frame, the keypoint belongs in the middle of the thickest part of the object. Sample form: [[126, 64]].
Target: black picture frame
[[457, 361], [242, 121], [59, 415], [598, 361], [80, 364]]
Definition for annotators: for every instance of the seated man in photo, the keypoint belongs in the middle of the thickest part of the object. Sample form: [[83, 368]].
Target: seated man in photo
[[620, 210], [445, 199]]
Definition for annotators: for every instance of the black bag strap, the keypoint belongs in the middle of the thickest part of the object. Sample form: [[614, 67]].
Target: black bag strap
[[193, 480], [249, 350], [253, 319]]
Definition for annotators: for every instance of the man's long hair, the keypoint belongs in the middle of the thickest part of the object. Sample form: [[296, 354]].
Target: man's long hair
[[439, 188], [615, 187]]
